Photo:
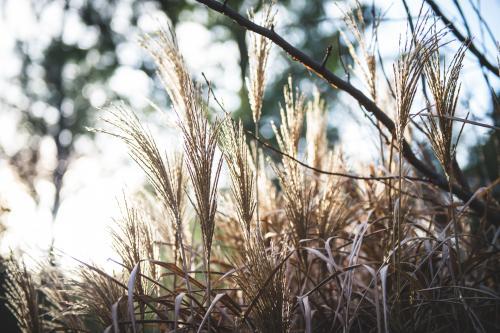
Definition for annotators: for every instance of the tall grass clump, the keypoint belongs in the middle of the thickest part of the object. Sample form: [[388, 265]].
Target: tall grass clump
[[298, 241]]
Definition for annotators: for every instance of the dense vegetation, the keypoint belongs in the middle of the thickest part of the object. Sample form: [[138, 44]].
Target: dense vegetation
[[298, 242]]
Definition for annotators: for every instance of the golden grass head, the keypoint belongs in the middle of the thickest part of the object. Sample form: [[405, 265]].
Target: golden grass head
[[414, 54], [444, 85], [237, 155], [258, 55]]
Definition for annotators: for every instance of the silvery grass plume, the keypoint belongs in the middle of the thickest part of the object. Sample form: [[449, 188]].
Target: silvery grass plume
[[316, 120], [173, 73], [258, 54], [53, 302], [266, 195], [134, 243], [200, 137], [408, 69], [410, 65], [365, 62], [133, 240], [444, 84], [330, 203], [238, 159], [445, 87], [166, 178], [292, 119], [292, 177]]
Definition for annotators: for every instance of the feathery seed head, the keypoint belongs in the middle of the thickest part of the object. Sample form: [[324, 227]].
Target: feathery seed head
[[258, 54]]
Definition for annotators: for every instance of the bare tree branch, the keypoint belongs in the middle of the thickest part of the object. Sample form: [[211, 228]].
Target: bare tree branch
[[492, 214], [482, 59]]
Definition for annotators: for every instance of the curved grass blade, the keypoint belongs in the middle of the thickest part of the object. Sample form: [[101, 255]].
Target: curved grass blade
[[177, 308], [114, 316], [130, 289], [210, 308], [306, 309]]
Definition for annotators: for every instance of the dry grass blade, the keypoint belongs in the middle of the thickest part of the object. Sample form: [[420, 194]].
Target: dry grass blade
[[209, 310], [177, 308], [383, 280], [114, 314], [130, 298]]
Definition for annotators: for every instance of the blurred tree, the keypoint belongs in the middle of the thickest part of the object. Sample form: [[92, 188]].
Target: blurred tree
[[59, 82], [484, 158], [63, 80]]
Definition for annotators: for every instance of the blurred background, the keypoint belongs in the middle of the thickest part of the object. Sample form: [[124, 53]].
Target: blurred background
[[63, 61]]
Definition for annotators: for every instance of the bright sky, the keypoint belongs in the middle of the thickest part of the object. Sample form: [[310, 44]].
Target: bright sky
[[102, 171]]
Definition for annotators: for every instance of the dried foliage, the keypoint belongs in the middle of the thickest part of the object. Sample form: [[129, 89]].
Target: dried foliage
[[328, 251]]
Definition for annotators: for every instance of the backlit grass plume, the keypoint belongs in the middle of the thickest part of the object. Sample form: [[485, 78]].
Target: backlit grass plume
[[258, 54], [296, 193], [414, 54], [237, 156], [317, 141], [199, 136], [444, 84], [365, 62]]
